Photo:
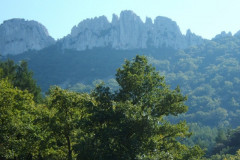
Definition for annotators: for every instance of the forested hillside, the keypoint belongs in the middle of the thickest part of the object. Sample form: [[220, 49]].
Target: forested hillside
[[127, 124], [208, 74]]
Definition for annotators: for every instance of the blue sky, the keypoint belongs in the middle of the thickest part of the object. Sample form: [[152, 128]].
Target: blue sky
[[204, 17]]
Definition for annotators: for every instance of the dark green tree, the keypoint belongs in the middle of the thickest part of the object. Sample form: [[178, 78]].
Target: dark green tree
[[18, 131], [130, 123], [20, 77], [67, 111]]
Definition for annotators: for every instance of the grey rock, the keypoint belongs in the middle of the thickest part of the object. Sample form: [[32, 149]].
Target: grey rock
[[223, 35], [192, 39], [237, 34], [19, 35], [166, 33], [128, 32], [88, 34]]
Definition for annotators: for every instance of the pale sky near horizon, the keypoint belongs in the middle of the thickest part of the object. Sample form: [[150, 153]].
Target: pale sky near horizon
[[206, 18]]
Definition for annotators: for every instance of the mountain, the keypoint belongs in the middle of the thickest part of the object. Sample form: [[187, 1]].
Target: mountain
[[128, 32], [125, 32], [18, 36], [209, 74], [208, 71]]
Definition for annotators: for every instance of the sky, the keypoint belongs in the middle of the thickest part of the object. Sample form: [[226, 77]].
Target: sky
[[206, 18]]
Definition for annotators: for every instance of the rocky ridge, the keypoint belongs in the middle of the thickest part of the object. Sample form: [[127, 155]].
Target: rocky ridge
[[128, 32], [19, 35]]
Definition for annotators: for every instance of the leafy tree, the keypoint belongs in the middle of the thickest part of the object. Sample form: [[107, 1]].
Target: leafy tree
[[20, 77], [67, 111], [227, 144], [204, 136], [25, 81], [17, 129], [130, 124], [224, 157], [143, 86]]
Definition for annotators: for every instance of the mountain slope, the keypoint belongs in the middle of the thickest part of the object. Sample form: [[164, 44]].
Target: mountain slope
[[128, 32], [209, 74], [19, 35]]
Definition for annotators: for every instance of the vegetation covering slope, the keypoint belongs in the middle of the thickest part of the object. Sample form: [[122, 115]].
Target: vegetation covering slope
[[127, 124], [208, 74]]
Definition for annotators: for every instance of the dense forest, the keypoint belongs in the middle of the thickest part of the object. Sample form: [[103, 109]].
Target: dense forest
[[126, 124], [116, 115]]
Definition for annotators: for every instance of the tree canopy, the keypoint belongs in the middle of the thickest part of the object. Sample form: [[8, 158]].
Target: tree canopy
[[129, 123], [19, 76]]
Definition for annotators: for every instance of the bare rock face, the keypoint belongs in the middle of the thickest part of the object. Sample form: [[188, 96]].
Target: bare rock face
[[223, 35], [237, 34], [88, 34], [18, 35], [192, 39], [128, 32], [125, 32], [122, 33], [166, 33], [131, 31]]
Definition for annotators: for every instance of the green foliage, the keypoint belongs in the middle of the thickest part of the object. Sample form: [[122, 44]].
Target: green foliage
[[87, 88], [67, 111], [224, 157], [141, 84], [20, 77], [209, 74], [203, 136], [17, 129], [130, 123], [226, 146], [227, 143], [126, 124]]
